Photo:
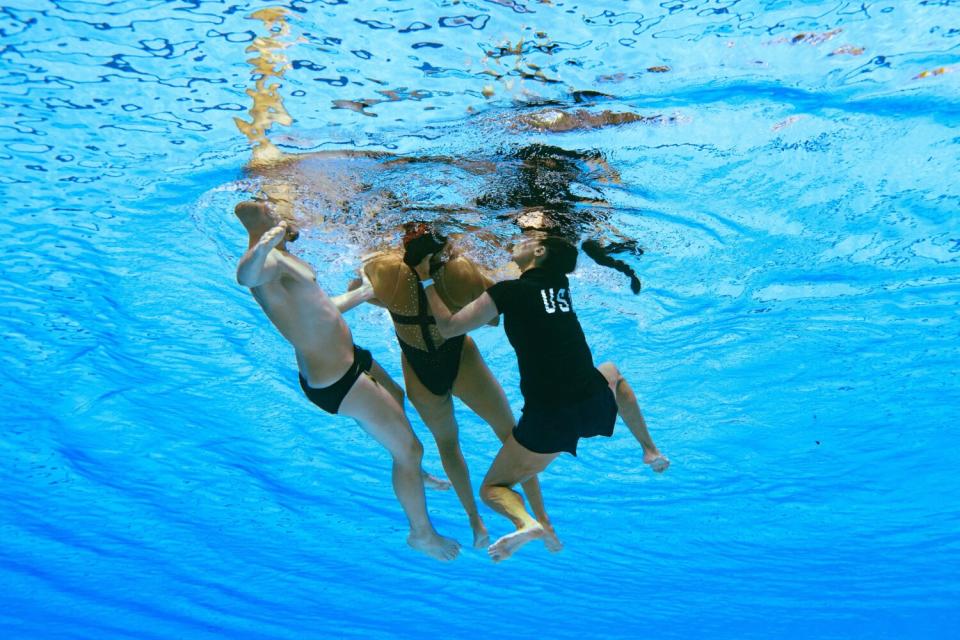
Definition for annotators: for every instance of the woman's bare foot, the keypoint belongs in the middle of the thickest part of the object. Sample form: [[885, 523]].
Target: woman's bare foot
[[508, 544], [481, 538], [434, 545], [435, 483], [550, 539], [657, 461]]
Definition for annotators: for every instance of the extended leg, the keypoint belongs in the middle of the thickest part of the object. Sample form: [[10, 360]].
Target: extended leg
[[480, 391], [378, 413], [437, 414], [384, 380], [629, 410]]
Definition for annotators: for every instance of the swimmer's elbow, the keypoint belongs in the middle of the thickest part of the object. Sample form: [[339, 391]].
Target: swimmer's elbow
[[246, 279]]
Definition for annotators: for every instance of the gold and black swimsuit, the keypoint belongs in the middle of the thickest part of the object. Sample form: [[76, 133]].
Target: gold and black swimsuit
[[437, 366]]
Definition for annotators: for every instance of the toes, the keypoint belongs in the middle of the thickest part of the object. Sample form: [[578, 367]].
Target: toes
[[661, 464]]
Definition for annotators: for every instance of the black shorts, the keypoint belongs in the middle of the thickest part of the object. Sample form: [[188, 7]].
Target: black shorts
[[330, 398], [436, 369], [551, 429]]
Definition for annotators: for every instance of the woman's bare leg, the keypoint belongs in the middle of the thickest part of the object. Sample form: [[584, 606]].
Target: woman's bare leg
[[629, 410], [378, 413], [513, 464], [437, 413], [383, 378], [480, 391]]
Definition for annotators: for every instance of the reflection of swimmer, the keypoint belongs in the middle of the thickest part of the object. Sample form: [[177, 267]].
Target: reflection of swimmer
[[335, 374], [565, 397], [561, 121], [540, 196], [435, 369], [287, 179], [535, 188], [539, 220]]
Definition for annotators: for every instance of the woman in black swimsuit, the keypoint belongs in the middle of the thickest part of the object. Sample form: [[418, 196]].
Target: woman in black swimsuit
[[436, 368], [565, 397]]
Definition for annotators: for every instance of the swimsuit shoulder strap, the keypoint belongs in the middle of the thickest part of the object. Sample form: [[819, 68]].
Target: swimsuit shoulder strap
[[423, 317]]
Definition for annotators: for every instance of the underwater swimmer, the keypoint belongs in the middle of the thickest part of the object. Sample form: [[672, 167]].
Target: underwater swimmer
[[435, 369], [335, 374], [565, 396]]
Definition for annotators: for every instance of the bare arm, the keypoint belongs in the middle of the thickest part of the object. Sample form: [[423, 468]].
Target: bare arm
[[356, 283], [354, 297], [258, 266], [473, 316]]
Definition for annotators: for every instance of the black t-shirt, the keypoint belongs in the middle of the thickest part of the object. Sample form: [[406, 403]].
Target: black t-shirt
[[556, 366]]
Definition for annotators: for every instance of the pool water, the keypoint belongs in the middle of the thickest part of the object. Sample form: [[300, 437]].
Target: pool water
[[788, 168]]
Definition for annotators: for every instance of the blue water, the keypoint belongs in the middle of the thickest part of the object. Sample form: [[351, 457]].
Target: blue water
[[795, 347]]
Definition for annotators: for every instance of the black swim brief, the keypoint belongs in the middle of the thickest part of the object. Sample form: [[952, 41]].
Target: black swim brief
[[329, 398], [436, 369], [552, 429]]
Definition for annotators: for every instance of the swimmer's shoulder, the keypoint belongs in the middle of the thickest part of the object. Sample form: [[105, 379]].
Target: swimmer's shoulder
[[388, 275], [384, 264], [462, 280]]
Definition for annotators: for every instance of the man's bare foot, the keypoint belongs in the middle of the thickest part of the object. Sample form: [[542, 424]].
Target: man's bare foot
[[657, 461], [508, 544], [550, 539], [481, 538], [435, 483], [435, 545]]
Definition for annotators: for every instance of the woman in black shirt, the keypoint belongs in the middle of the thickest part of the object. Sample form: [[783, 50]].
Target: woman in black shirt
[[565, 397]]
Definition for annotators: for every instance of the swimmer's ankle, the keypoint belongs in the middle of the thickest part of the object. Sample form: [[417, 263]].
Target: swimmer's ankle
[[532, 525], [422, 531]]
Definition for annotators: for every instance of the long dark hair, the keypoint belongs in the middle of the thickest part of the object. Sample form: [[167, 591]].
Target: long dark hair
[[601, 255], [561, 256]]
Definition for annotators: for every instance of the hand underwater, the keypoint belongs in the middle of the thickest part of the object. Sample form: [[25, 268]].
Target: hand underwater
[[423, 267]]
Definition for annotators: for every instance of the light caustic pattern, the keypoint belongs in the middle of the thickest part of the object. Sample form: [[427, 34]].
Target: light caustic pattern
[[778, 174], [268, 67]]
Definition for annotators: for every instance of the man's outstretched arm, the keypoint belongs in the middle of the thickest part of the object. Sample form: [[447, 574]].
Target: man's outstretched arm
[[354, 297], [257, 266]]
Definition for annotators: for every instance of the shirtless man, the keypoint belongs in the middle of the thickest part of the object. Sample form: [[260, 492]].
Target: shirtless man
[[436, 369], [335, 374]]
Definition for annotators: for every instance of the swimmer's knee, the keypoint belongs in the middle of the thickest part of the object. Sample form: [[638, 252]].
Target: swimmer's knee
[[410, 452], [612, 374], [489, 488], [487, 492]]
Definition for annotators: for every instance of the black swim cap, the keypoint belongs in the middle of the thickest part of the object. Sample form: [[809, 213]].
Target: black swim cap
[[420, 241]]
